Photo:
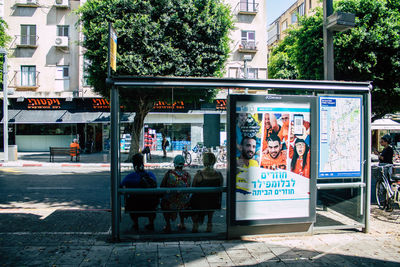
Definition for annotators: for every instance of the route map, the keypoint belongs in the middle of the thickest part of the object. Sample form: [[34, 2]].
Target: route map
[[340, 137]]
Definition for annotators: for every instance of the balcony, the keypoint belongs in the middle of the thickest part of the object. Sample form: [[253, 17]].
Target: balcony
[[26, 41], [27, 3], [248, 8], [247, 47], [29, 82]]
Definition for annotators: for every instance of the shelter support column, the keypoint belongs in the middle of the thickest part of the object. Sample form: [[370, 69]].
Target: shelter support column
[[367, 138], [115, 200]]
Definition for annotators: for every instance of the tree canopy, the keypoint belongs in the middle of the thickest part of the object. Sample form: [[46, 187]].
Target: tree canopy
[[156, 38], [4, 39], [368, 52]]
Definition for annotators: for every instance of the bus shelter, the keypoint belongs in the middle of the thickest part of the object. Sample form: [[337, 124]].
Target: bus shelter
[[298, 154]]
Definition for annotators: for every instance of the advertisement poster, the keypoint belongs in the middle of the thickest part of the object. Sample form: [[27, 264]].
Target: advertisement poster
[[273, 157], [340, 135]]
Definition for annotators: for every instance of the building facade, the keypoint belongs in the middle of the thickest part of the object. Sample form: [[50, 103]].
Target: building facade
[[51, 103], [277, 29], [248, 40]]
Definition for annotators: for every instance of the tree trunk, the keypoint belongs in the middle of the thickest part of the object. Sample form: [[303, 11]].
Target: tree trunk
[[143, 108]]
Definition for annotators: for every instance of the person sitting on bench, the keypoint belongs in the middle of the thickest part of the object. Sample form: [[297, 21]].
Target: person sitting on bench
[[74, 150], [141, 202]]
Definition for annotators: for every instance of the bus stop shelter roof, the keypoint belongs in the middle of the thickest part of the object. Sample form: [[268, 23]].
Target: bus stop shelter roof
[[231, 83]]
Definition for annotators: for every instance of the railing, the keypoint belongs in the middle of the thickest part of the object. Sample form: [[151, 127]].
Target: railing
[[17, 83], [26, 40], [247, 46], [248, 7]]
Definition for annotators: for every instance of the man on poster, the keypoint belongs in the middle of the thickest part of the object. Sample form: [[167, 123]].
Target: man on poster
[[247, 152], [244, 162], [276, 157]]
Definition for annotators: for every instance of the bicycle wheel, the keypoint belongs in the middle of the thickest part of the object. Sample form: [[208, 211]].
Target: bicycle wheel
[[380, 191]]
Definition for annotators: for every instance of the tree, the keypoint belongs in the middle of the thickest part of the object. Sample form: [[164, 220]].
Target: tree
[[368, 52], [156, 38], [4, 39]]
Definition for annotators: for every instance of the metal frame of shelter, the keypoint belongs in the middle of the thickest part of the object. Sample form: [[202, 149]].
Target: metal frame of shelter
[[294, 87]]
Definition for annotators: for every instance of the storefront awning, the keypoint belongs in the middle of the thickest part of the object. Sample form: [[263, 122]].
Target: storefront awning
[[56, 116], [34, 116]]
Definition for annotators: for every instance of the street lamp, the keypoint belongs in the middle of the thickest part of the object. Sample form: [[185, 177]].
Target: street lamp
[[5, 104], [339, 22]]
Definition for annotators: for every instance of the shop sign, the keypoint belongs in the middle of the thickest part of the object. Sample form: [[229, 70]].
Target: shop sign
[[41, 104]]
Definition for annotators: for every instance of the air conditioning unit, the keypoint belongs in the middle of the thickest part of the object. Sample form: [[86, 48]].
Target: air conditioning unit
[[62, 3], [61, 41]]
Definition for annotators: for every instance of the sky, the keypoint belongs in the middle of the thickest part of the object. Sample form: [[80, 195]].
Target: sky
[[276, 7]]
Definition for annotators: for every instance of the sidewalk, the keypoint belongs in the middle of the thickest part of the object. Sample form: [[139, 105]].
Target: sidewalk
[[93, 160], [381, 247]]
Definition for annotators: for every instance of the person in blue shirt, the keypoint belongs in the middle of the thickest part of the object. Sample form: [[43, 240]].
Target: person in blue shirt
[[140, 179]]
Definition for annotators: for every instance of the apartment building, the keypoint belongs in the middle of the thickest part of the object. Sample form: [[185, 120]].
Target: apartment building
[[51, 102], [249, 40], [45, 58], [276, 30]]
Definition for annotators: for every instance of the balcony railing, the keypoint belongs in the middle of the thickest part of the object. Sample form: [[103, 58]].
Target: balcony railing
[[27, 3], [248, 47], [25, 84], [248, 7], [29, 41]]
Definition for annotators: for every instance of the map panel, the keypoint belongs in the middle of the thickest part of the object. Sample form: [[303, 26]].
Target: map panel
[[340, 136]]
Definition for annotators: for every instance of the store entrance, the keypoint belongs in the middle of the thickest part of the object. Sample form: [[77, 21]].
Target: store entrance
[[90, 137]]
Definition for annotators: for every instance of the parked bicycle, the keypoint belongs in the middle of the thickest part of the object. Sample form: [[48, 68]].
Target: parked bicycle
[[198, 150], [387, 188], [186, 154], [221, 154]]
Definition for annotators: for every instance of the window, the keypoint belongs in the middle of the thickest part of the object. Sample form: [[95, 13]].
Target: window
[[300, 9], [252, 73], [248, 5], [62, 72], [284, 25], [28, 34], [249, 39], [293, 18], [86, 64], [28, 75], [63, 30]]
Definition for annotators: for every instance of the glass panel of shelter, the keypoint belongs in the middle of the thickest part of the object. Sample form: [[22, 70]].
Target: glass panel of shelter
[[335, 207]]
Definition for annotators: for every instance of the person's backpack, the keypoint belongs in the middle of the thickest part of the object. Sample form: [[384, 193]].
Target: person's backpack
[[147, 182], [167, 143], [144, 201]]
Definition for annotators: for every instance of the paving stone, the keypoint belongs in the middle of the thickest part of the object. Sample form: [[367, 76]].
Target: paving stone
[[265, 256], [257, 247], [98, 255], [73, 257], [233, 245], [145, 247], [189, 248], [221, 257], [145, 259], [121, 255], [243, 261]]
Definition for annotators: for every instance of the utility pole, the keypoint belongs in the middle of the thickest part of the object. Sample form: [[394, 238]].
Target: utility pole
[[337, 22], [5, 104], [328, 42]]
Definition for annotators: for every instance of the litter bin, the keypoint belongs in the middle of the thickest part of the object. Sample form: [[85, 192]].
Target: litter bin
[[12, 152]]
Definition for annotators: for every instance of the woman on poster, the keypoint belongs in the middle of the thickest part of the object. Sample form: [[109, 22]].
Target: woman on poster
[[301, 158]]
